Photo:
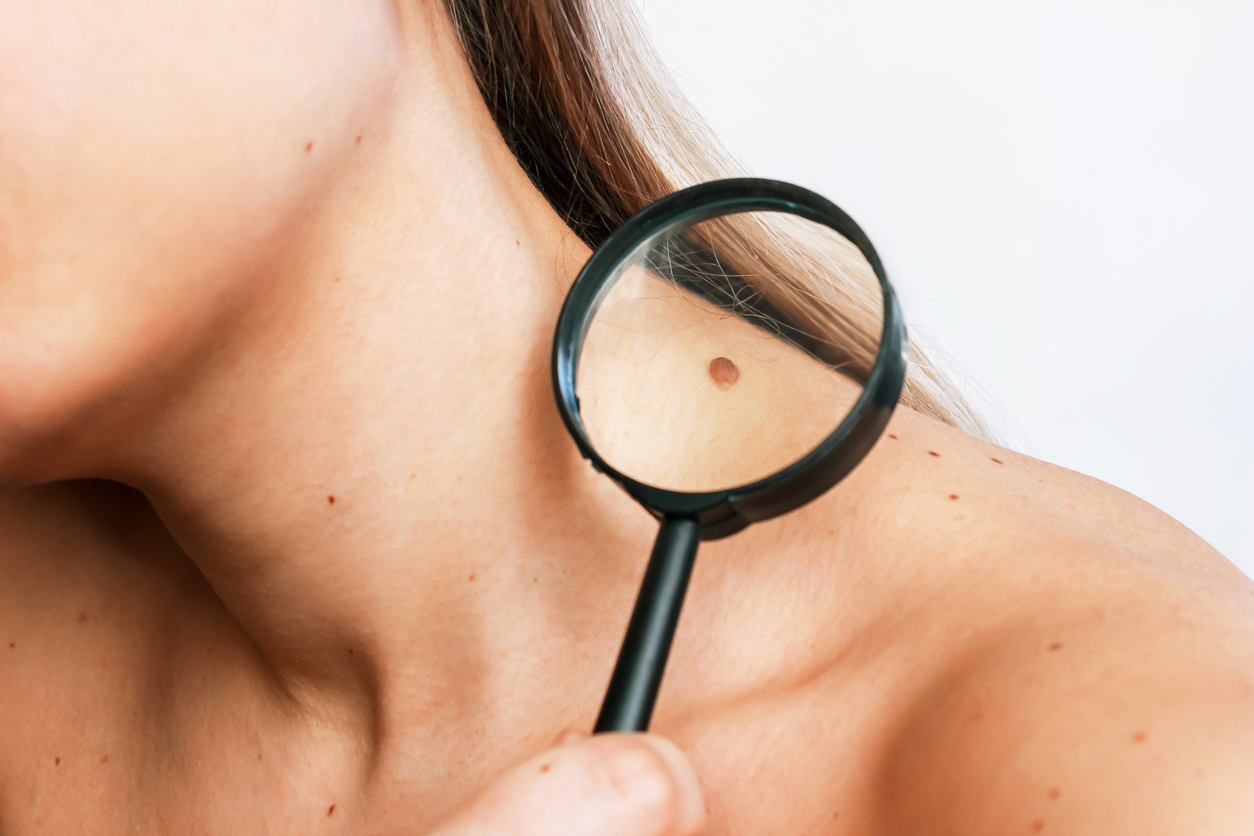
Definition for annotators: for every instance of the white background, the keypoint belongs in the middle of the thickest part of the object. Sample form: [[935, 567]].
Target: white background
[[1063, 194]]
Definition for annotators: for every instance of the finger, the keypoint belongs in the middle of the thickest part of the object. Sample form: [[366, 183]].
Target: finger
[[606, 785], [570, 736]]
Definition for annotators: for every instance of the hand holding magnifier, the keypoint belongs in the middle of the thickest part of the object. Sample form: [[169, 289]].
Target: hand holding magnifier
[[750, 328]]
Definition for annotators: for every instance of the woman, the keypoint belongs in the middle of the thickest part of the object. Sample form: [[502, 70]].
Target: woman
[[294, 539]]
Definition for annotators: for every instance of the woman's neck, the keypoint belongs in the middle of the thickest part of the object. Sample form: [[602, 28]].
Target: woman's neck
[[367, 465]]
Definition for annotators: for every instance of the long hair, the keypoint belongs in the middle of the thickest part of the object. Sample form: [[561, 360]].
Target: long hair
[[595, 120]]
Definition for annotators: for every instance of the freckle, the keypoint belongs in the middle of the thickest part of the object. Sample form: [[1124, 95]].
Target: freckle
[[933, 453], [519, 243], [104, 759], [331, 811], [1054, 792], [82, 617], [472, 577], [56, 762], [350, 651], [337, 278], [1139, 737], [723, 372], [358, 140], [835, 816], [12, 645], [535, 580], [953, 496], [413, 475], [308, 147], [999, 461], [894, 438], [1038, 825], [330, 500], [545, 768], [1055, 645]]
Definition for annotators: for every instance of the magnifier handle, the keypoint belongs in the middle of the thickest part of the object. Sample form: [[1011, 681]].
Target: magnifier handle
[[638, 674]]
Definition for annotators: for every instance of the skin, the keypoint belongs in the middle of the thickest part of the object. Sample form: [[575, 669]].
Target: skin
[[270, 271]]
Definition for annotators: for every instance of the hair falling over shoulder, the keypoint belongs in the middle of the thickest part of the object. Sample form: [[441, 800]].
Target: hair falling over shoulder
[[595, 120]]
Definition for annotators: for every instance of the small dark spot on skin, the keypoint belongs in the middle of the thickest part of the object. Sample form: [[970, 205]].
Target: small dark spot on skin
[[472, 577], [953, 496], [894, 438], [1054, 792], [836, 816], [1139, 737], [413, 475], [104, 758], [1038, 825], [545, 768], [999, 461], [350, 651], [331, 811], [519, 243], [12, 645], [724, 372], [56, 762], [358, 140], [337, 278], [330, 500], [933, 453], [535, 580], [1055, 645], [82, 617], [308, 147]]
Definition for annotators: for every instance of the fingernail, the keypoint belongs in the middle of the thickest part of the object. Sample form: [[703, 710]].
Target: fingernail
[[658, 783]]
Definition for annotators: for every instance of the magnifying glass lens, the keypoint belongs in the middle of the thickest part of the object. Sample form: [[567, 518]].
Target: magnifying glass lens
[[723, 351]]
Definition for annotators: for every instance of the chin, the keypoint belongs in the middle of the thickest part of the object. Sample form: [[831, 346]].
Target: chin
[[54, 411]]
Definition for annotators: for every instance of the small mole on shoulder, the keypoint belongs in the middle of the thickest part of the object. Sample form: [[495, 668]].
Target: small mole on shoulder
[[308, 147], [893, 437], [999, 461], [724, 372], [933, 453], [330, 500], [331, 811]]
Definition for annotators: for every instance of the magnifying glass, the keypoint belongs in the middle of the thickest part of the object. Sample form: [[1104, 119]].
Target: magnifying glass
[[727, 355]]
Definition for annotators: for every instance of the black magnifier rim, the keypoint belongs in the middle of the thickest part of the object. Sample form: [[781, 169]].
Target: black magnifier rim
[[727, 511]]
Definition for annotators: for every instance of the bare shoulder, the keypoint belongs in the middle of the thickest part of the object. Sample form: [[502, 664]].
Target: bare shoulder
[[1093, 660]]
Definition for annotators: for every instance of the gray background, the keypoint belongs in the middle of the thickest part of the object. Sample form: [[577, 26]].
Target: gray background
[[1063, 194]]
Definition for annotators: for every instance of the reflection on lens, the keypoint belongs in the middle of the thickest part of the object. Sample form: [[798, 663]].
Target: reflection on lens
[[724, 351]]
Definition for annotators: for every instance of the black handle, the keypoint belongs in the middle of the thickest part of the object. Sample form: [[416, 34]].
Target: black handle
[[638, 674]]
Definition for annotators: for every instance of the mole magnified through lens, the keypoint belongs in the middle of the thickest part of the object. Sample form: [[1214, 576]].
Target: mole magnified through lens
[[783, 376]]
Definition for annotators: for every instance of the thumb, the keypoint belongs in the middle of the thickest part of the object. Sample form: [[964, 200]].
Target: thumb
[[606, 785]]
